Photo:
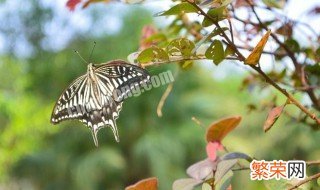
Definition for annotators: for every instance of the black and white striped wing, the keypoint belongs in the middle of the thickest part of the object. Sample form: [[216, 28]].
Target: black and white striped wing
[[123, 77], [80, 102], [69, 104]]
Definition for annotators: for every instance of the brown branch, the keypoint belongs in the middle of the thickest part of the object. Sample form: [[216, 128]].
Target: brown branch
[[316, 176], [179, 59], [313, 162], [257, 68]]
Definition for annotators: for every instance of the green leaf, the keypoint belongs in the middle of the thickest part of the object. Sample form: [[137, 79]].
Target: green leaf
[[225, 182], [152, 54], [292, 44], [215, 52], [226, 2], [206, 186], [179, 9], [283, 184], [180, 47], [217, 14], [223, 168], [186, 64], [274, 3]]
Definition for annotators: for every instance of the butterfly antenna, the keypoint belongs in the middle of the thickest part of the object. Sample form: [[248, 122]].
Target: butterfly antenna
[[94, 45], [77, 52]]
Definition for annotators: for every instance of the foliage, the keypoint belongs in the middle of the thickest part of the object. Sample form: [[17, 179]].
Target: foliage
[[61, 158]]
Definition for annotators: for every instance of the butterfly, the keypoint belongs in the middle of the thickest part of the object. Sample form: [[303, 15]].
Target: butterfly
[[96, 97]]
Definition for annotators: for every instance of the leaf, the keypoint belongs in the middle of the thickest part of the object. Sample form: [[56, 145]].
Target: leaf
[[206, 186], [132, 58], [236, 155], [145, 184], [87, 3], [152, 54], [217, 14], [180, 47], [185, 184], [202, 169], [71, 4], [225, 182], [215, 52], [273, 116], [275, 3], [228, 51], [283, 184], [285, 30], [255, 55], [292, 44], [223, 168], [219, 129], [179, 9]]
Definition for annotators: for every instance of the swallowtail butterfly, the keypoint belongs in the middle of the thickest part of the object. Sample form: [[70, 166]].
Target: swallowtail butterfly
[[94, 97]]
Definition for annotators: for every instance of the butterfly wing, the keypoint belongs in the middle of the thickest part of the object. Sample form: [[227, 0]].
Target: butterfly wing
[[110, 77], [124, 78], [70, 104]]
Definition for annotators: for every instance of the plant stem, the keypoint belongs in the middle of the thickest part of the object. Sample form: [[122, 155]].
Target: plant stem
[[316, 176]]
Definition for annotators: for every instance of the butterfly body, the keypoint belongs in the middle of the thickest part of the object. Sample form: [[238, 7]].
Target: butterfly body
[[92, 97]]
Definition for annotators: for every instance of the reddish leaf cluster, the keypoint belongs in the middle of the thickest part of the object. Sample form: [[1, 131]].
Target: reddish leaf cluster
[[71, 4]]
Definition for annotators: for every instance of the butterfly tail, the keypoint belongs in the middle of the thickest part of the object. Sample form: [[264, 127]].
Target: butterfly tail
[[94, 136], [115, 131]]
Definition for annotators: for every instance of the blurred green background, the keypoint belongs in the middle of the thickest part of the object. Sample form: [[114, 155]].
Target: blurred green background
[[38, 62]]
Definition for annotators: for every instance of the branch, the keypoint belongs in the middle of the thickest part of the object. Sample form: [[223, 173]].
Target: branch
[[314, 162], [299, 68], [256, 68], [163, 99], [316, 176], [179, 59]]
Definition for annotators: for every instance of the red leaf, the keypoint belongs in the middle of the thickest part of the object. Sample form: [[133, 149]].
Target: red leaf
[[272, 117], [218, 130], [71, 4], [145, 184], [212, 148]]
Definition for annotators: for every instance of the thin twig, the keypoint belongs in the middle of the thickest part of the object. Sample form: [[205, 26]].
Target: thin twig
[[313, 162], [163, 99], [316, 176], [198, 122]]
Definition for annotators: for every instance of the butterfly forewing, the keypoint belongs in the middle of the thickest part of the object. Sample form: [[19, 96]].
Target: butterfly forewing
[[94, 99]]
